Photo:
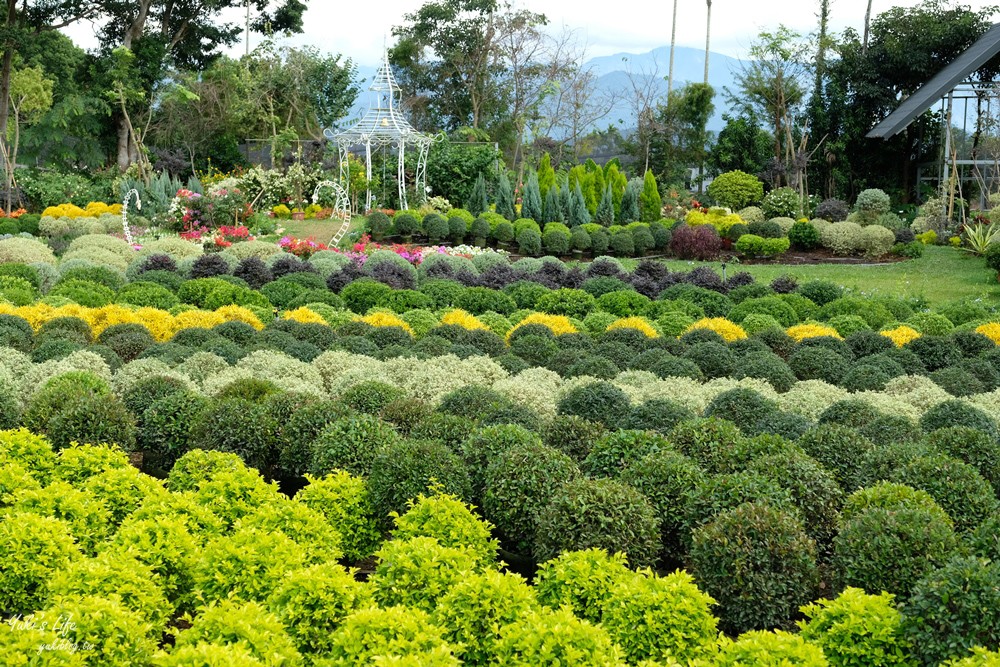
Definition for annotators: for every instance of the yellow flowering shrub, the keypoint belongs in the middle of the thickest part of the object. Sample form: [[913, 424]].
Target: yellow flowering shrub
[[190, 319], [304, 315], [463, 319], [901, 335], [106, 316], [64, 211], [991, 330], [637, 323], [160, 323], [95, 209], [234, 313], [811, 330], [557, 324], [721, 326], [383, 319], [719, 218], [36, 314]]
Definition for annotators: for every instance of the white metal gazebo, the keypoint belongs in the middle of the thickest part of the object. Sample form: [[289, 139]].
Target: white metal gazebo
[[383, 126]]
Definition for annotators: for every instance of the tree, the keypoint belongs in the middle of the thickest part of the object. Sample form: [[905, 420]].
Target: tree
[[505, 197], [708, 35], [546, 175], [772, 83], [617, 181], [642, 91], [552, 209], [579, 215], [187, 35], [906, 48], [650, 204], [478, 202], [30, 97], [630, 201], [531, 199], [741, 145], [605, 214], [673, 42]]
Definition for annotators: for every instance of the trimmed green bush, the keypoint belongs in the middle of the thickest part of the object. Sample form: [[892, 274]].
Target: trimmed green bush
[[857, 629], [598, 513], [758, 563]]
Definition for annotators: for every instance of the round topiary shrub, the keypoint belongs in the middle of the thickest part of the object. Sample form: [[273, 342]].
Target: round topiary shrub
[[956, 486], [889, 429], [34, 548], [742, 406], [771, 649], [485, 444], [477, 607], [351, 444], [954, 609], [416, 572], [708, 441], [713, 359], [667, 478], [814, 491], [972, 446], [958, 413], [616, 451], [855, 626], [404, 469], [912, 541], [661, 619], [92, 419], [758, 563], [657, 414], [599, 401], [250, 431], [818, 363], [598, 513], [850, 412], [551, 638], [396, 635], [345, 502], [519, 484], [572, 435], [839, 449]]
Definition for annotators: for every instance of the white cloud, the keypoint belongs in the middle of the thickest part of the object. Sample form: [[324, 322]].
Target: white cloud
[[359, 29]]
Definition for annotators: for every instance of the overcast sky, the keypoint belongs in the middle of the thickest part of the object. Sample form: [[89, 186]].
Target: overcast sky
[[359, 29]]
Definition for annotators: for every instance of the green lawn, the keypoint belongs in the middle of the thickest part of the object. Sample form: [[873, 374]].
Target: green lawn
[[943, 274], [321, 230]]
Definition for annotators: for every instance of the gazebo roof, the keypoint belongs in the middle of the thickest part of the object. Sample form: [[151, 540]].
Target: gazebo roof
[[954, 73], [383, 123]]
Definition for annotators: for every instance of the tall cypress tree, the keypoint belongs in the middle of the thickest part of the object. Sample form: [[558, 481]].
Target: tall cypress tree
[[617, 181], [566, 202], [531, 201], [581, 216], [546, 176], [606, 209], [478, 202], [505, 197], [650, 204], [630, 202], [553, 206]]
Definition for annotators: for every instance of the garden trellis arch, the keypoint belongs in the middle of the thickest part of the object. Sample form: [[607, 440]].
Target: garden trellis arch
[[383, 126]]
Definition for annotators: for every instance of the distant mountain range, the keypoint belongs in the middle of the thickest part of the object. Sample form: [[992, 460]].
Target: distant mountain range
[[612, 72]]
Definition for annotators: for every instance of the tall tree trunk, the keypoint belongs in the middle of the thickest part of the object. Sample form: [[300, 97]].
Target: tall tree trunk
[[868, 20], [5, 73], [126, 139], [673, 42], [708, 36]]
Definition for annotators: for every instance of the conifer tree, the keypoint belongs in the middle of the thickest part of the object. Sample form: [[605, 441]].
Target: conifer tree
[[531, 200], [599, 186], [553, 206], [581, 216], [630, 202], [614, 177], [505, 197], [546, 176], [650, 204], [606, 209], [566, 202], [478, 202]]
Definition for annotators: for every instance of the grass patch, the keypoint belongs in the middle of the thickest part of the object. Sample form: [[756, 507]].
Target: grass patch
[[321, 230], [942, 275]]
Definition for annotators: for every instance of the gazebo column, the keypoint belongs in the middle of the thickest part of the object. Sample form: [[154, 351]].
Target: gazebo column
[[368, 174], [401, 174]]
